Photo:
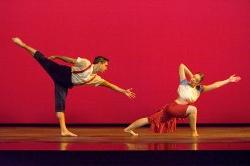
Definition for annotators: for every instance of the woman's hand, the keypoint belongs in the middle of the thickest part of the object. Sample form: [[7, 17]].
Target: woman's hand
[[234, 78]]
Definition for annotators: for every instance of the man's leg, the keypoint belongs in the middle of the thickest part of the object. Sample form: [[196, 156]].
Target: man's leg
[[64, 130], [60, 99], [60, 92], [59, 73], [20, 43], [51, 67]]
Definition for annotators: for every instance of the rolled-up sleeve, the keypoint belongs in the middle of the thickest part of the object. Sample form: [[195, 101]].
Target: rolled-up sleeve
[[81, 62], [96, 81]]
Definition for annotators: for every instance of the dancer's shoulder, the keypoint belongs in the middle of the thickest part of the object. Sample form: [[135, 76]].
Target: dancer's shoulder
[[82, 62]]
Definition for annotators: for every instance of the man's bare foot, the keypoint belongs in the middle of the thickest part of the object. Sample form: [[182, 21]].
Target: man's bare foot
[[68, 134], [18, 41], [195, 134], [130, 132]]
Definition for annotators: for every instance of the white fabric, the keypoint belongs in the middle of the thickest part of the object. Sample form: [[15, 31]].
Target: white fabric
[[188, 93], [83, 77]]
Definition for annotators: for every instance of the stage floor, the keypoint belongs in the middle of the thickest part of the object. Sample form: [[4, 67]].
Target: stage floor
[[114, 139]]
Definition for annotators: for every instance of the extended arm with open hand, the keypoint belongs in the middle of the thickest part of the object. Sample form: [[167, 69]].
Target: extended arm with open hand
[[219, 84], [127, 92]]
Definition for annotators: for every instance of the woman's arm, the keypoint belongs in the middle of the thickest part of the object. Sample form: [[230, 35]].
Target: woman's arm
[[63, 58], [219, 84], [127, 92], [183, 71]]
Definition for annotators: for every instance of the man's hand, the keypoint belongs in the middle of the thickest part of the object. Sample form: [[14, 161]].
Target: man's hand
[[52, 57], [234, 78], [18, 41], [129, 93]]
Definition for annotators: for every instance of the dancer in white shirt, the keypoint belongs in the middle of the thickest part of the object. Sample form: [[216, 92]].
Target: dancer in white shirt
[[81, 72], [164, 120]]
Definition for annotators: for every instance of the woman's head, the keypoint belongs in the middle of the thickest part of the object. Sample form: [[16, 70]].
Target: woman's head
[[197, 79]]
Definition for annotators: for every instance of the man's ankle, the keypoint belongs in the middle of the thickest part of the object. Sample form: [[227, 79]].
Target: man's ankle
[[23, 45]]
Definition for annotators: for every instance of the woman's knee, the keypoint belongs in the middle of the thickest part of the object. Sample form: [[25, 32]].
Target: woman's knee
[[145, 120], [191, 110]]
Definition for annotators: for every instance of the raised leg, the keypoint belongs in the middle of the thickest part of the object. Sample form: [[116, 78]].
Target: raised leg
[[21, 44]]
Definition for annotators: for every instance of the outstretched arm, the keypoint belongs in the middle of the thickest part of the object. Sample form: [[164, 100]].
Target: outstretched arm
[[219, 84], [183, 71], [127, 92], [63, 58]]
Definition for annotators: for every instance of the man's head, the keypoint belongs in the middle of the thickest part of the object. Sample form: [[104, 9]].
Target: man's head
[[101, 63], [197, 79]]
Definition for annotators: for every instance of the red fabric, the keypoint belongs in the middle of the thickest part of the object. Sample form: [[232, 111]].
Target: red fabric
[[165, 119]]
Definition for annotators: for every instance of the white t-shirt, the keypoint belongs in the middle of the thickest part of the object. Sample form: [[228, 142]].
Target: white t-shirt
[[188, 93], [82, 73]]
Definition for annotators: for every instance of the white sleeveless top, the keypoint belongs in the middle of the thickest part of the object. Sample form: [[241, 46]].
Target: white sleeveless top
[[188, 93]]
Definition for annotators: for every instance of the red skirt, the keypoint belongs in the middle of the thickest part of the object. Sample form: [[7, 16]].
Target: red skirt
[[165, 119]]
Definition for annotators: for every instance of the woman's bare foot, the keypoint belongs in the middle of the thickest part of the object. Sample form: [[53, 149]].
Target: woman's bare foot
[[130, 132], [18, 41], [195, 134], [68, 134]]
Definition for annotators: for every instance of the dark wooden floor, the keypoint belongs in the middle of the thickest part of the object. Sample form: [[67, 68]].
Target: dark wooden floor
[[113, 138], [111, 146]]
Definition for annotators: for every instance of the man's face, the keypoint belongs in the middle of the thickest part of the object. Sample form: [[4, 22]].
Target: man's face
[[103, 66]]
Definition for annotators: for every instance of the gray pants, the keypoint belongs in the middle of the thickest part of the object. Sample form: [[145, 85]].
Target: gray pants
[[60, 97], [61, 75]]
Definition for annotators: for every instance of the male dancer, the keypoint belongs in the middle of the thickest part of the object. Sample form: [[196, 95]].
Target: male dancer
[[81, 72]]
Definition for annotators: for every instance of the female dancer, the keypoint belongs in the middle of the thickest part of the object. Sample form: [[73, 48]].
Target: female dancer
[[189, 90]]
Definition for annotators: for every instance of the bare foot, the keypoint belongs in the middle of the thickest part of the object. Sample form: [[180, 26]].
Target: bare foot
[[130, 132], [195, 134], [68, 134], [18, 41]]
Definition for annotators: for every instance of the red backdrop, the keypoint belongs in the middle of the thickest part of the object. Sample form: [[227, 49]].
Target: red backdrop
[[145, 41]]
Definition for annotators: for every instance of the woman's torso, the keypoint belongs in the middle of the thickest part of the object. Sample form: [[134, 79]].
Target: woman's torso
[[186, 93]]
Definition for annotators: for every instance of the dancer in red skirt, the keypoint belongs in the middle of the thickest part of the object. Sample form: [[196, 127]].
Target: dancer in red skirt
[[189, 91]]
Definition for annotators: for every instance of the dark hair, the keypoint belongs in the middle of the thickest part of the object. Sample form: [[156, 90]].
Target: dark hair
[[200, 87], [100, 59]]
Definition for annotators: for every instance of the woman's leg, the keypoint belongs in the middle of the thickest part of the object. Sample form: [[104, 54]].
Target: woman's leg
[[136, 124], [192, 115]]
